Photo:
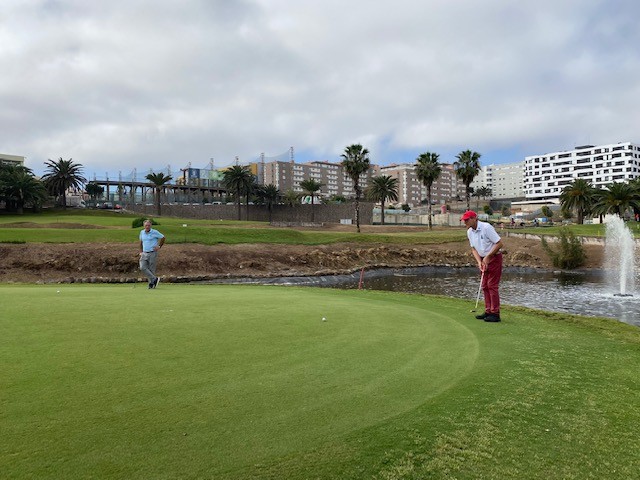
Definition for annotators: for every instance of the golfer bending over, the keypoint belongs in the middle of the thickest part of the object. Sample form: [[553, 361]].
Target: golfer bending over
[[151, 241], [485, 247]]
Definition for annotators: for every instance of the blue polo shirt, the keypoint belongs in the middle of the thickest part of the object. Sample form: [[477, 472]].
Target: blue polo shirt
[[150, 240]]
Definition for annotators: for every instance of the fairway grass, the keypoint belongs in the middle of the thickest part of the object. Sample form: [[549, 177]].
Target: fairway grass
[[203, 381]]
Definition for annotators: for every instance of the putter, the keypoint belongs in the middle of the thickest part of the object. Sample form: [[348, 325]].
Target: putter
[[479, 289]]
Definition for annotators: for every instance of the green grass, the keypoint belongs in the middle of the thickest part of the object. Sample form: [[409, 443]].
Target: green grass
[[597, 230], [114, 227], [196, 381]]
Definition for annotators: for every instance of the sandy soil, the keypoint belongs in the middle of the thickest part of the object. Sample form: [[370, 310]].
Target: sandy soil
[[45, 263]]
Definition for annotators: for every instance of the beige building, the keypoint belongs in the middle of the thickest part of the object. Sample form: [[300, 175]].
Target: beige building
[[412, 192], [287, 175], [11, 159]]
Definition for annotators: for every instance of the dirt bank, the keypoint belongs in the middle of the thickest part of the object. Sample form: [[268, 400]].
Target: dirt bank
[[37, 263]]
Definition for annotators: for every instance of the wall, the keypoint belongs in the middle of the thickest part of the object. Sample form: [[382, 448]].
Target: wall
[[299, 214]]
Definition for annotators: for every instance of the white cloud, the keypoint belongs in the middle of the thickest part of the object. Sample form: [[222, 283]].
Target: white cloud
[[143, 84]]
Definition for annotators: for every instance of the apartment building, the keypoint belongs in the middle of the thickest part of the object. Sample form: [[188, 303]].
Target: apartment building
[[505, 181], [412, 192], [546, 175], [287, 175], [11, 159]]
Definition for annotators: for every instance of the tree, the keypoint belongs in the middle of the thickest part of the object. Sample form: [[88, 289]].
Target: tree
[[311, 186], [19, 188], [383, 188], [482, 192], [355, 162], [617, 198], [428, 170], [239, 179], [158, 180], [569, 254], [579, 196], [291, 198], [62, 175], [94, 190], [467, 167], [270, 194], [547, 212]]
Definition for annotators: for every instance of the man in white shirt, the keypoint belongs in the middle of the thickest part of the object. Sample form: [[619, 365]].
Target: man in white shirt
[[485, 247]]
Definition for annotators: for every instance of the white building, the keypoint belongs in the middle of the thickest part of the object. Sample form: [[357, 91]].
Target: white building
[[546, 175], [11, 159], [505, 181]]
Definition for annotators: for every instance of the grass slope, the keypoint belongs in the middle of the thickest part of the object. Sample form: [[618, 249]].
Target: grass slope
[[101, 227], [184, 381]]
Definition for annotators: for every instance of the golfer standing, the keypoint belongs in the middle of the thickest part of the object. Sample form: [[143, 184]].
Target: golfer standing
[[485, 247], [151, 241]]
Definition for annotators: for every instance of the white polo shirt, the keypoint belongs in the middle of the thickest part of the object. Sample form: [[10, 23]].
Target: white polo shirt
[[483, 238]]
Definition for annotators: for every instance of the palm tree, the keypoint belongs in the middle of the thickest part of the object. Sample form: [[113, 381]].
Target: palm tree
[[428, 170], [311, 186], [239, 179], [482, 192], [18, 188], [158, 180], [578, 196], [291, 198], [94, 190], [62, 175], [383, 188], [635, 183], [270, 194], [617, 198], [355, 162], [467, 167]]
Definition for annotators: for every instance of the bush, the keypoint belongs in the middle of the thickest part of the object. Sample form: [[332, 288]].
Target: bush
[[570, 254], [139, 222]]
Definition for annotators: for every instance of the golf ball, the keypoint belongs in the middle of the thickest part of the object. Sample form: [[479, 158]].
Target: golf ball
[[324, 319], [58, 291]]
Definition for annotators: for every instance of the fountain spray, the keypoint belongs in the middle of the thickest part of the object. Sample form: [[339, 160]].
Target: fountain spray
[[620, 258]]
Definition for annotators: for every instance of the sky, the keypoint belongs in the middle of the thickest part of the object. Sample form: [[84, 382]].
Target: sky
[[139, 84]]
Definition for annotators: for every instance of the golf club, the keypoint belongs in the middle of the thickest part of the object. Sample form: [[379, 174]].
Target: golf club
[[479, 289]]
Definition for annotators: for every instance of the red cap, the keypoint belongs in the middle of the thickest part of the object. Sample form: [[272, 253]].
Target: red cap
[[467, 215]]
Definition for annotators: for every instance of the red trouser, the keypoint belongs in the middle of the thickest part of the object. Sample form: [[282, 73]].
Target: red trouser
[[490, 284]]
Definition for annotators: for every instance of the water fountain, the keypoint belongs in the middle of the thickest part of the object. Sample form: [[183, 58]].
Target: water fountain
[[620, 258]]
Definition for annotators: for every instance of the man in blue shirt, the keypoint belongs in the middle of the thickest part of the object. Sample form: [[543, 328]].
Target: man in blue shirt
[[151, 241]]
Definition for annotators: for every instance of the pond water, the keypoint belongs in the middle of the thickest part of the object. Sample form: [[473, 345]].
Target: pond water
[[583, 293]]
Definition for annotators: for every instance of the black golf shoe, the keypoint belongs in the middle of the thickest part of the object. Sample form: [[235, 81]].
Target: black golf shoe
[[482, 316], [492, 317]]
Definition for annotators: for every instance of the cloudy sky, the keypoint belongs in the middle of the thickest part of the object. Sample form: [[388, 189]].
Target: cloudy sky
[[118, 85]]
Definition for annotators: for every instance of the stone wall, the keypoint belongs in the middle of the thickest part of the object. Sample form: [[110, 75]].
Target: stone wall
[[333, 213]]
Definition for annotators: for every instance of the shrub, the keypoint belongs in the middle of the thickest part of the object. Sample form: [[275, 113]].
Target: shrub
[[139, 222], [570, 253]]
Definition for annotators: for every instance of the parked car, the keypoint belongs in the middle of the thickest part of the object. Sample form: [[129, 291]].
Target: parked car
[[107, 205]]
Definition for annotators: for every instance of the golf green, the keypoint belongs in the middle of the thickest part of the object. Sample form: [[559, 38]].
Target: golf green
[[120, 381]]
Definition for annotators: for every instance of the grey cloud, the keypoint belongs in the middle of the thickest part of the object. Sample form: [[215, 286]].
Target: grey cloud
[[140, 83]]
